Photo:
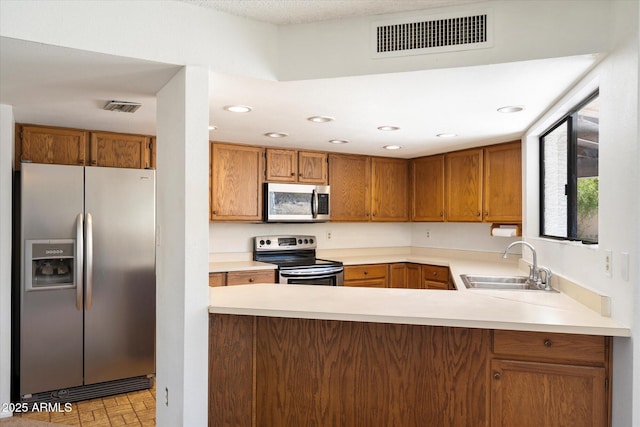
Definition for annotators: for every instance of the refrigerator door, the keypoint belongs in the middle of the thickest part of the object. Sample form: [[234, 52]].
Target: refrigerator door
[[120, 290], [50, 318]]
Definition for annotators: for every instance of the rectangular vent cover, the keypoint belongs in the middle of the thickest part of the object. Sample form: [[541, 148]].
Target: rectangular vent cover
[[122, 106], [416, 37]]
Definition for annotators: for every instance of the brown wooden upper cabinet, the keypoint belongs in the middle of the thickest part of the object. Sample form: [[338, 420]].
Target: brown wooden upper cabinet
[[478, 185], [463, 186], [427, 188], [503, 183], [389, 189], [307, 167], [43, 144], [120, 150], [236, 182], [63, 146], [350, 180]]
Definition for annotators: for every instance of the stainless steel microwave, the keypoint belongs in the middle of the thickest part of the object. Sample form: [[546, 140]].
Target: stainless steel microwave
[[296, 202]]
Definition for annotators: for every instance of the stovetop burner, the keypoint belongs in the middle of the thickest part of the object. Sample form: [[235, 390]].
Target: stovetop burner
[[289, 252]]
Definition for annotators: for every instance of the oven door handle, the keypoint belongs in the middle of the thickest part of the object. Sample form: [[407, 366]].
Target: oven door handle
[[312, 272]]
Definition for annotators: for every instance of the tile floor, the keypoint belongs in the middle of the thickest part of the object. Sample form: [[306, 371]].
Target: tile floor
[[137, 408]]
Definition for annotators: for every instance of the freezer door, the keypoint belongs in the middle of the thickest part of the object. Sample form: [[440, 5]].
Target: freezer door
[[50, 319], [120, 289]]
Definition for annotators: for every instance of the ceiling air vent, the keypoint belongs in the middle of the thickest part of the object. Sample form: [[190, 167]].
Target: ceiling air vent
[[123, 106], [442, 33]]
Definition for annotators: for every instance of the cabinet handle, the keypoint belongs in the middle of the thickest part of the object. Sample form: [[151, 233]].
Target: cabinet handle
[[251, 279], [548, 343], [215, 212], [435, 274], [496, 376], [365, 273], [478, 214], [441, 213], [293, 174], [486, 214]]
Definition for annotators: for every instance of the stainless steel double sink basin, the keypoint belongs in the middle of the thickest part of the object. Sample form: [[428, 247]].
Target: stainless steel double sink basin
[[476, 281]]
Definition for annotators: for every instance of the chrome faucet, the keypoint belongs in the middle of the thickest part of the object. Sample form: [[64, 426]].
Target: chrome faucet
[[534, 270]]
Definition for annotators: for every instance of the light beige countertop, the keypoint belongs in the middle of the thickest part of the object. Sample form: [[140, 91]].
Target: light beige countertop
[[221, 267], [566, 311]]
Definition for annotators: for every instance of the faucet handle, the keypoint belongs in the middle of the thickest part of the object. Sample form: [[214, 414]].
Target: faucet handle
[[547, 277]]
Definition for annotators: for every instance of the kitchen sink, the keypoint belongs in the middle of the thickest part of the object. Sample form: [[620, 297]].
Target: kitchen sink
[[472, 281]]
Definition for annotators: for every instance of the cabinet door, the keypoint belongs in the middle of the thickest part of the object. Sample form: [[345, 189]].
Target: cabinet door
[[463, 195], [369, 275], [389, 189], [398, 275], [59, 146], [532, 394], [217, 279], [503, 183], [236, 182], [282, 165], [350, 180], [312, 167], [427, 188], [119, 150]]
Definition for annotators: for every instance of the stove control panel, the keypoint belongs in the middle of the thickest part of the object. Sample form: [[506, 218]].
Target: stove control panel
[[281, 243]]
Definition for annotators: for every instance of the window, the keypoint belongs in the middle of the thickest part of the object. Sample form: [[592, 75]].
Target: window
[[569, 175]]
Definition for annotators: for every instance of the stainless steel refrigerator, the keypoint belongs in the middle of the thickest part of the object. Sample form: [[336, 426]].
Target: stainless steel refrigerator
[[86, 325]]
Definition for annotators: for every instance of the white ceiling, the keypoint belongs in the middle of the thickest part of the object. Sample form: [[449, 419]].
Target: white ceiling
[[66, 87], [285, 12]]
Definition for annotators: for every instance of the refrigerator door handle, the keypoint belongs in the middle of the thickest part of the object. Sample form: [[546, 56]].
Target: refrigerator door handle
[[89, 260], [79, 273]]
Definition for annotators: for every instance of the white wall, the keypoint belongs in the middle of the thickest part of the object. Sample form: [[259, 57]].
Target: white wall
[[6, 179], [165, 31], [182, 212], [237, 238], [523, 30], [618, 78]]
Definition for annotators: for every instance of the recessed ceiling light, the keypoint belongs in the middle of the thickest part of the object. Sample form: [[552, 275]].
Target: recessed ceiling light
[[212, 127], [276, 134], [320, 119], [388, 128], [392, 147], [511, 109], [446, 135], [338, 141], [238, 108]]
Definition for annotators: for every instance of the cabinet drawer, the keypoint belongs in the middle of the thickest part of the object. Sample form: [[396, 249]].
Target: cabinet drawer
[[367, 283], [217, 279], [369, 271], [245, 277], [435, 273], [551, 346], [430, 284]]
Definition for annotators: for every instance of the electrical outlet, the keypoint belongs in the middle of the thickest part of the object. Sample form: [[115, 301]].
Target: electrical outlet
[[608, 261], [328, 235], [428, 234], [166, 396]]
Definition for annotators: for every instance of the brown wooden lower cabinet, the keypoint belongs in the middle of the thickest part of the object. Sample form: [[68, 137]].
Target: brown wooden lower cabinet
[[242, 277], [268, 371], [368, 275]]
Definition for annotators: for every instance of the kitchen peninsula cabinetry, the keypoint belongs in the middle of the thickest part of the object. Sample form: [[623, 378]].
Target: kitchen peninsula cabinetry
[[503, 183], [307, 167], [463, 186], [405, 275], [427, 188], [350, 180], [549, 379], [242, 277], [52, 145], [369, 275], [298, 372], [389, 184], [236, 182]]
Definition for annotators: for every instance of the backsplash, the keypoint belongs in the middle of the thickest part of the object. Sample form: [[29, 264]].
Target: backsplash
[[237, 237]]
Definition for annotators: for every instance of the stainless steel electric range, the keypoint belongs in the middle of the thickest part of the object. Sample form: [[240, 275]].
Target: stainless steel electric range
[[296, 259]]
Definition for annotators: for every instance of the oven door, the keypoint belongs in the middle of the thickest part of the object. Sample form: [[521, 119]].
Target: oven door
[[324, 276]]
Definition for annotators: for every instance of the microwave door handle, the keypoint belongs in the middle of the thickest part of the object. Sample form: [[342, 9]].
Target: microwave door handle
[[79, 260], [314, 204]]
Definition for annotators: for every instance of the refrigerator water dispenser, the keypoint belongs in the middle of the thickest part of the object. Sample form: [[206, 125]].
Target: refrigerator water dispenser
[[50, 264]]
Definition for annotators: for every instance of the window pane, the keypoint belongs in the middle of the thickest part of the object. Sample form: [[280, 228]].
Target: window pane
[[587, 132], [555, 182]]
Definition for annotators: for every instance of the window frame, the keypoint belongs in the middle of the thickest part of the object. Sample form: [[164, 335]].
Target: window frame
[[571, 189]]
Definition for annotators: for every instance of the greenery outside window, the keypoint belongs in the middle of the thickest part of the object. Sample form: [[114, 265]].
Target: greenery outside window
[[569, 152]]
